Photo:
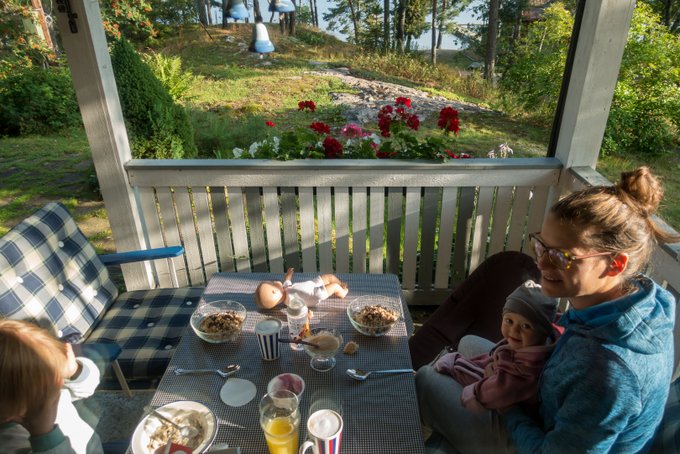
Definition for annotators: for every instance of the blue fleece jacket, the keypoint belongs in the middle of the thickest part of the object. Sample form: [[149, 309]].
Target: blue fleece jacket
[[605, 385]]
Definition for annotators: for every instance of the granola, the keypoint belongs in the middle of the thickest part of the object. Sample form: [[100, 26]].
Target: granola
[[221, 325], [376, 319]]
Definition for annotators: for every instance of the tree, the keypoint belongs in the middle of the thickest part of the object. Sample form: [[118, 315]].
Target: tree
[[645, 111], [414, 20], [492, 32], [538, 60], [669, 11]]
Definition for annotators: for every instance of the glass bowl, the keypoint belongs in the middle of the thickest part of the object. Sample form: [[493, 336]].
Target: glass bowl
[[218, 321], [373, 315], [323, 357]]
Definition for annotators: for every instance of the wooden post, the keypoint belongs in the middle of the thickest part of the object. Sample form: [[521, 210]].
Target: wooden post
[[83, 38]]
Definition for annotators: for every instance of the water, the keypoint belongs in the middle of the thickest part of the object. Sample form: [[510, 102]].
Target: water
[[422, 43]]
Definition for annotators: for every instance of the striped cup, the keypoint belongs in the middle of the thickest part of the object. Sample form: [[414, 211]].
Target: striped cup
[[267, 332], [324, 427]]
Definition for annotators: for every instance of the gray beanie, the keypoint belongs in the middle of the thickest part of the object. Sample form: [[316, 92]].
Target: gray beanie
[[528, 301]]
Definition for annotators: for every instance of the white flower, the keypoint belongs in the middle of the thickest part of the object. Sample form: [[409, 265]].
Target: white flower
[[491, 154], [375, 138], [237, 152], [277, 141], [504, 150], [253, 149]]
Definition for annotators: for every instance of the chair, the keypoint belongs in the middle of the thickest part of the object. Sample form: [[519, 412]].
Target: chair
[[474, 307], [51, 275]]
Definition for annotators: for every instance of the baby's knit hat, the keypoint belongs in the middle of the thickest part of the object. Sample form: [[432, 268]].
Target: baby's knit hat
[[528, 300]]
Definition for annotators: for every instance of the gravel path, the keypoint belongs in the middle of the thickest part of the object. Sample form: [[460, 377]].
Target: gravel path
[[374, 94]]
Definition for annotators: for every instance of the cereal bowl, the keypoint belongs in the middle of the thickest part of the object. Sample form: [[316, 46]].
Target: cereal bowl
[[373, 315], [218, 321], [289, 382], [152, 433]]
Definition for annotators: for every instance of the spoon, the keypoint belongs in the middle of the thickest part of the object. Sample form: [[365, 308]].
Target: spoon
[[185, 431], [224, 373], [361, 375], [298, 341]]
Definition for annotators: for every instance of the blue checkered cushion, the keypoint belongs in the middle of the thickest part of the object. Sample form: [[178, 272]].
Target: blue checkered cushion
[[147, 324], [50, 274], [667, 440]]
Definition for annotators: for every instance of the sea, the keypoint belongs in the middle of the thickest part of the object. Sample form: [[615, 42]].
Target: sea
[[449, 42]]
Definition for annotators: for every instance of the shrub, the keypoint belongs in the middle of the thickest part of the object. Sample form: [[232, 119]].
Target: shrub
[[169, 71], [37, 100], [158, 127], [645, 110]]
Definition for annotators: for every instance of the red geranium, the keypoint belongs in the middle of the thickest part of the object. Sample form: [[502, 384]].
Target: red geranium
[[385, 154], [413, 122], [320, 127], [332, 147], [402, 101], [270, 124], [448, 120], [302, 105]]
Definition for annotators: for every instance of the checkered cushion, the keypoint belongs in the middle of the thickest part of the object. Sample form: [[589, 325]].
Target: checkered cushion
[[147, 324], [667, 440], [50, 274]]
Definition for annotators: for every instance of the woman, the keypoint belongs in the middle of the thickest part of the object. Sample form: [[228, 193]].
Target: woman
[[40, 378], [605, 385]]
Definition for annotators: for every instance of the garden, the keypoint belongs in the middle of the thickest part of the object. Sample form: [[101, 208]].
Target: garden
[[193, 91]]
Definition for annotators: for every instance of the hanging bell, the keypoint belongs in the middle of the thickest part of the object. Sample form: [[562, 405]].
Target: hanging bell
[[237, 10], [282, 6], [260, 42]]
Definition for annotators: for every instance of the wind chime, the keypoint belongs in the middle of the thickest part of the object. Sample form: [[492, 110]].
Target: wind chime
[[260, 42], [237, 10]]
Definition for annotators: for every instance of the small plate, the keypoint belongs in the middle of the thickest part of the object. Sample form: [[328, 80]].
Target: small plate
[[147, 426]]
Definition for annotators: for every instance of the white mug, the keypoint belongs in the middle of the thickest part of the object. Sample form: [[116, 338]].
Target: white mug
[[324, 427]]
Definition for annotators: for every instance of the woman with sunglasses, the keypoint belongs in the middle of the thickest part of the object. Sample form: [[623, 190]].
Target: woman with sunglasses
[[605, 385]]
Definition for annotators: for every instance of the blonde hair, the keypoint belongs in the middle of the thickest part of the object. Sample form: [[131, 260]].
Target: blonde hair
[[32, 364], [618, 218]]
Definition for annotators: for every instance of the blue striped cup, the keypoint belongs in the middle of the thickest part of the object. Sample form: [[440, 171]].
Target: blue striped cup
[[324, 427], [268, 331]]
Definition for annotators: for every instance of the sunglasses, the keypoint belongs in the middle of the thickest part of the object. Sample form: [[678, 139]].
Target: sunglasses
[[559, 258]]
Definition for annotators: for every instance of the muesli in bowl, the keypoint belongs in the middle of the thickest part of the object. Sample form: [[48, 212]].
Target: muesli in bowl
[[218, 321], [373, 315], [153, 433]]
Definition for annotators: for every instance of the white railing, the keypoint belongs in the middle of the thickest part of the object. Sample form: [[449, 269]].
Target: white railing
[[428, 223]]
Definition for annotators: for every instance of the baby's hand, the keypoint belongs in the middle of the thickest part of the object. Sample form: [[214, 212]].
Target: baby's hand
[[445, 364]]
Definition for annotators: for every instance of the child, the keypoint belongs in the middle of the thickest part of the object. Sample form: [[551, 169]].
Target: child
[[509, 373], [270, 293], [40, 379]]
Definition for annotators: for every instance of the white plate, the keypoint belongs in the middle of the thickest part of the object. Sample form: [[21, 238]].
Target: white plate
[[147, 426]]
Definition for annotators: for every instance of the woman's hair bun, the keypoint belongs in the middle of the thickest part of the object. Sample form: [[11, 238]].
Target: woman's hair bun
[[641, 189]]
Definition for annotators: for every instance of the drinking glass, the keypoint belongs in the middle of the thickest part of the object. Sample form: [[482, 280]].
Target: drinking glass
[[280, 421]]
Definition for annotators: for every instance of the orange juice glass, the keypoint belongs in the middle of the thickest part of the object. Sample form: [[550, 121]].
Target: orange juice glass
[[280, 421]]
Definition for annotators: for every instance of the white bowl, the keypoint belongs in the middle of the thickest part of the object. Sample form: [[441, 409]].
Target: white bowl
[[290, 382], [148, 425]]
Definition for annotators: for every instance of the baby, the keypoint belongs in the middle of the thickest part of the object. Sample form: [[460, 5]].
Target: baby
[[509, 373], [271, 293]]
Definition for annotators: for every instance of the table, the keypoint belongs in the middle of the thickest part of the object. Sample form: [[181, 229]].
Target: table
[[380, 414]]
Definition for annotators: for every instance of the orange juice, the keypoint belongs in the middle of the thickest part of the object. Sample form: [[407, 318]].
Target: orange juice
[[282, 435]]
